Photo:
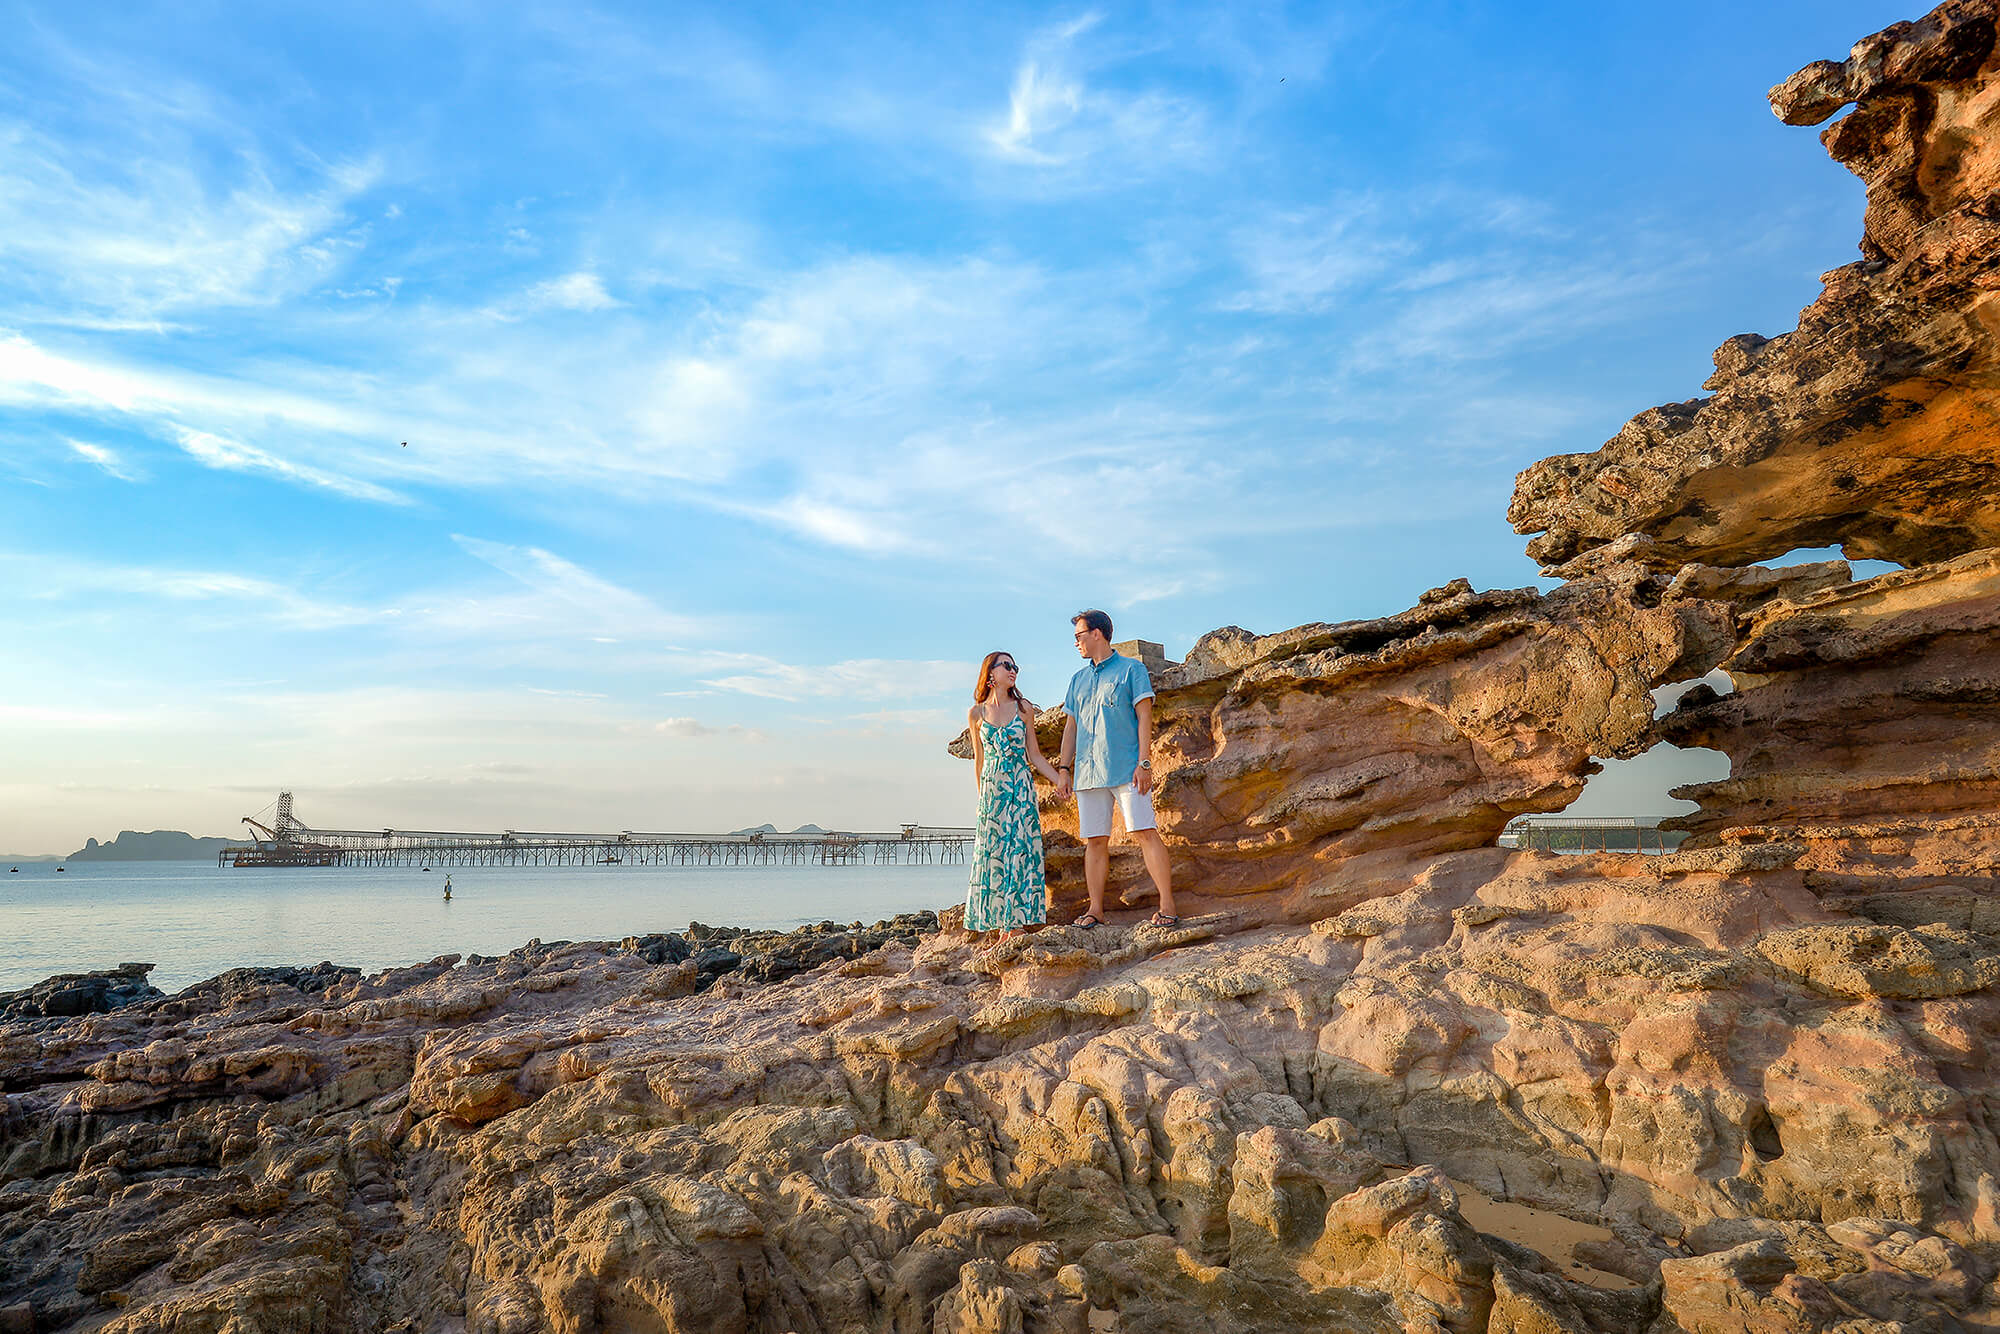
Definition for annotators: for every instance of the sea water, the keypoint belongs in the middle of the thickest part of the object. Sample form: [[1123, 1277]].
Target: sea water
[[195, 920]]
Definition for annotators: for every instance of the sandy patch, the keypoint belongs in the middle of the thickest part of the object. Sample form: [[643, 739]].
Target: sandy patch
[[1549, 1235]]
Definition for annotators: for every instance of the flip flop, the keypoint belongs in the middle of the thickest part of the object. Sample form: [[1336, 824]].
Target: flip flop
[[1163, 920], [1089, 922]]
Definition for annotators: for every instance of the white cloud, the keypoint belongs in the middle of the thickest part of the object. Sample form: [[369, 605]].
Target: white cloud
[[1039, 103], [213, 451], [1055, 120], [1302, 260], [559, 599], [130, 227], [694, 729], [54, 579], [105, 459], [573, 291], [855, 529], [856, 678]]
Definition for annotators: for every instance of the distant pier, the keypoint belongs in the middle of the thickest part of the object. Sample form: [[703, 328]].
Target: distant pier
[[1581, 833], [284, 841]]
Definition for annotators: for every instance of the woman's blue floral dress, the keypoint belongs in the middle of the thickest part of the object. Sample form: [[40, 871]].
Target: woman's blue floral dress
[[1008, 888]]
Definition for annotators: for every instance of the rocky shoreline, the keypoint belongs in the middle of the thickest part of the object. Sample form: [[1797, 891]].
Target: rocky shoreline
[[712, 951]]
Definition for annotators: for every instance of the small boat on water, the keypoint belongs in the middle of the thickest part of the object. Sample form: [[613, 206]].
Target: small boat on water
[[61, 869], [609, 861], [13, 870]]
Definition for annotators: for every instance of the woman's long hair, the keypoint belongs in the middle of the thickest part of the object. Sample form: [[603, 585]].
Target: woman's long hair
[[984, 685]]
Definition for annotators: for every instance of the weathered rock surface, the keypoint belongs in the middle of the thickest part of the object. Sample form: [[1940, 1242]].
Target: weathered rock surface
[[1875, 425], [1132, 1130], [1860, 706]]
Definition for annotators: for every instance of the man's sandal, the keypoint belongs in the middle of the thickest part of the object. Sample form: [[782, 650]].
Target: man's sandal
[[1162, 919], [1089, 922]]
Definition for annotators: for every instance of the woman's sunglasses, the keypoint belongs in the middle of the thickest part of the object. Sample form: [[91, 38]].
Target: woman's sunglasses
[[1005, 667]]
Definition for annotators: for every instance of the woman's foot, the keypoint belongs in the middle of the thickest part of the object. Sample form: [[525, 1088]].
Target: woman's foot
[[1163, 919], [1089, 921]]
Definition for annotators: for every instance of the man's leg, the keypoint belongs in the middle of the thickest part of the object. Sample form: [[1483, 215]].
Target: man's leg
[[1157, 866], [1093, 826], [1096, 870]]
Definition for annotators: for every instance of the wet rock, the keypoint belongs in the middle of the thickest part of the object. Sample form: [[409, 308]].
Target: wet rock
[[70, 994]]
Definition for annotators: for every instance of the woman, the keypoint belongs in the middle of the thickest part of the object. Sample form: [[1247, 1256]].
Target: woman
[[1008, 891]]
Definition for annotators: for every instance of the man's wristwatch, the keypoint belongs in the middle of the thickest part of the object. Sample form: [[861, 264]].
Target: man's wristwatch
[[1145, 764]]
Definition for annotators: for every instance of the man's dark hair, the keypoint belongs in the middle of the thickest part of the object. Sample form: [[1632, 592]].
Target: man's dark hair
[[1093, 619]]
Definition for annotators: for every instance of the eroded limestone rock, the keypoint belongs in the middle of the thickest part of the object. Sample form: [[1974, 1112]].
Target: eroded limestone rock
[[1865, 730], [1875, 425], [1219, 1132]]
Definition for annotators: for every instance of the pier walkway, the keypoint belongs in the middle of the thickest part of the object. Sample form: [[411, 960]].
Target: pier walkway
[[287, 842], [1583, 833]]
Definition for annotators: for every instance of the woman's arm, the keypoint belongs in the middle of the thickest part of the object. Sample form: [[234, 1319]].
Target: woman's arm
[[1035, 760], [978, 746]]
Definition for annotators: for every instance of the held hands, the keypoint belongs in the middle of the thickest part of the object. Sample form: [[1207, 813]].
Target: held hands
[[1142, 781], [1062, 785]]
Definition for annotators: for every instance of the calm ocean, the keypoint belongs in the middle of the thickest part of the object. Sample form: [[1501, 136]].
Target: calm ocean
[[195, 920]]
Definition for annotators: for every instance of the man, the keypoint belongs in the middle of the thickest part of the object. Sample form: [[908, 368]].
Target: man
[[1107, 761]]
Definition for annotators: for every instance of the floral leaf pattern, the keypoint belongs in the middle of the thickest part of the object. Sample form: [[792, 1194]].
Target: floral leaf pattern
[[1009, 887]]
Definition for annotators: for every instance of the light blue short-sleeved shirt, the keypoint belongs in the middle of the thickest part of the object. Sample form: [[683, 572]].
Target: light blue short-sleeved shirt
[[1103, 698]]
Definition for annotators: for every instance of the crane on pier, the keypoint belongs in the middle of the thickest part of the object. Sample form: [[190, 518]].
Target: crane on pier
[[281, 844]]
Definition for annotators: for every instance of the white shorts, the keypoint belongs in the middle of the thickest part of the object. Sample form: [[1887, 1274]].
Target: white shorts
[[1093, 809]]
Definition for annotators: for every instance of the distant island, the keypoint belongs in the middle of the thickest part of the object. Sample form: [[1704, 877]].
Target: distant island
[[162, 845], [772, 829]]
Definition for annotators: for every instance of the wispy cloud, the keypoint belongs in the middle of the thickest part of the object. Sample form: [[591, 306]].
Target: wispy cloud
[[556, 597], [856, 678], [59, 580], [106, 460], [127, 229], [694, 729], [1057, 119], [1302, 260], [213, 451], [573, 291]]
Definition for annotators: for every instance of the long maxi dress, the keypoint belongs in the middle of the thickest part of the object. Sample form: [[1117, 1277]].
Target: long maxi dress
[[1008, 886]]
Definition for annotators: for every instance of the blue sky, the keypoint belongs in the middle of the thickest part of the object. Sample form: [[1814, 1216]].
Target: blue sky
[[760, 369]]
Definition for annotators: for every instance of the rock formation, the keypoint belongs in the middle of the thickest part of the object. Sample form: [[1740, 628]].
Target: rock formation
[[1872, 425], [1860, 707], [1762, 1065], [81, 993]]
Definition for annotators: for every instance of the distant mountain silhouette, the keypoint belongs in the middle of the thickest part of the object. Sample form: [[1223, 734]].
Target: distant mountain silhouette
[[755, 829], [809, 829], [162, 845]]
